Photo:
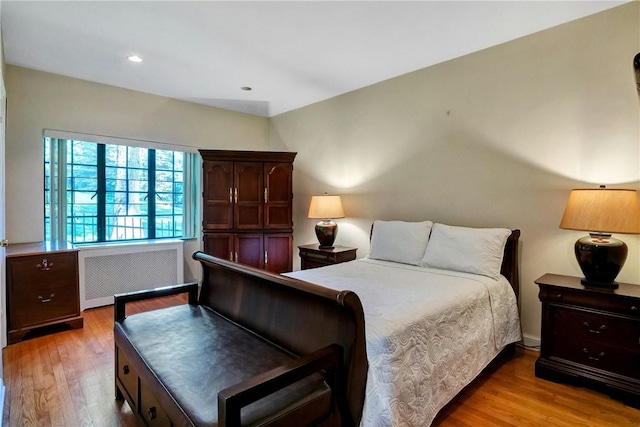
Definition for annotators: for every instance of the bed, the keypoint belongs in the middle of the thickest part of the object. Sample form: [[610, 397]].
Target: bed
[[440, 303]]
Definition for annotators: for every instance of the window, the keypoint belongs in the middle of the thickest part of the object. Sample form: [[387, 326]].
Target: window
[[96, 192]]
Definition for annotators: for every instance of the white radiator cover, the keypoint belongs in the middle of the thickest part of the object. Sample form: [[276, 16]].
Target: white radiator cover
[[107, 270]]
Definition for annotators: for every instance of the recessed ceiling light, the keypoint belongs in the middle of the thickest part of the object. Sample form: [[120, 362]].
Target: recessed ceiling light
[[247, 88], [134, 58]]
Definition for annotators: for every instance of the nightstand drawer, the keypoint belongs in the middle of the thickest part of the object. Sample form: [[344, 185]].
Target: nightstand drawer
[[318, 256], [599, 340], [309, 263], [597, 300], [599, 355], [599, 328]]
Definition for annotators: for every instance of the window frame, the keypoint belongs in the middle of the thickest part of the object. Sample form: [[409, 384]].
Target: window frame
[[57, 187]]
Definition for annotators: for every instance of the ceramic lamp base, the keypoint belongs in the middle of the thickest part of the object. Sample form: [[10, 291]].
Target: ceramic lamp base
[[600, 258], [326, 232]]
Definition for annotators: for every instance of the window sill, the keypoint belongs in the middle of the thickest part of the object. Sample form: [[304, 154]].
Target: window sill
[[130, 243]]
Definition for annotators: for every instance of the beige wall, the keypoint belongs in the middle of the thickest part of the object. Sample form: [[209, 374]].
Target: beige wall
[[38, 101], [496, 138]]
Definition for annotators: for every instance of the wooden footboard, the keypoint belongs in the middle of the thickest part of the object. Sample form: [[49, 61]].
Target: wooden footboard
[[295, 315]]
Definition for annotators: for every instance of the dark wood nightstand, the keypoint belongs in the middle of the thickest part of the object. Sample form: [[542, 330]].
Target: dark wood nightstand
[[591, 336], [311, 256]]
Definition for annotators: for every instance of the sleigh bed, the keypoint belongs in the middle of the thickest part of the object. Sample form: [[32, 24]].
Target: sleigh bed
[[382, 341], [433, 320]]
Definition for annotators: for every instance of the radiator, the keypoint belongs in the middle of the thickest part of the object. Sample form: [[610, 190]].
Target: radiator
[[107, 270]]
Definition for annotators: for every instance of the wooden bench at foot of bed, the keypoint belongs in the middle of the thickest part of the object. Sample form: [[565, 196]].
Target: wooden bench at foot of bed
[[253, 349]]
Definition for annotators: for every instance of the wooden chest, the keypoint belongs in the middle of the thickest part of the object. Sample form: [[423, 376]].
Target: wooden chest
[[42, 287]]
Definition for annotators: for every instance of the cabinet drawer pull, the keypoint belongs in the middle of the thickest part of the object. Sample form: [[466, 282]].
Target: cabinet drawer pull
[[151, 413], [559, 296], [634, 308], [594, 331], [594, 358], [230, 195], [43, 299], [125, 369], [44, 265]]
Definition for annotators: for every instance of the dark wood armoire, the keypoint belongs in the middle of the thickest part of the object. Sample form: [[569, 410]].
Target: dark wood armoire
[[247, 207]]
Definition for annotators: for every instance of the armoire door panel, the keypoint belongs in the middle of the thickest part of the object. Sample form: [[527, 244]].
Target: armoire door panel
[[219, 245], [278, 194], [250, 249], [248, 195], [279, 252], [218, 195]]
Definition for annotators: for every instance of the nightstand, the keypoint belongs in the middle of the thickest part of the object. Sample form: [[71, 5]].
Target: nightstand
[[591, 336], [311, 256]]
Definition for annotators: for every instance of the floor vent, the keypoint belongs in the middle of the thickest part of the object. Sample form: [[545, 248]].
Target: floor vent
[[105, 271]]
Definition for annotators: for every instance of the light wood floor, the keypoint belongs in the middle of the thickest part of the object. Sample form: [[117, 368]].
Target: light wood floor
[[66, 379]]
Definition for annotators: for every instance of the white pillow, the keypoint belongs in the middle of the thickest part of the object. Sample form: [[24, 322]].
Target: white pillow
[[470, 250], [399, 241]]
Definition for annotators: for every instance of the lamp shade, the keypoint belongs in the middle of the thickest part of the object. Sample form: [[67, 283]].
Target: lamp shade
[[602, 210], [326, 207]]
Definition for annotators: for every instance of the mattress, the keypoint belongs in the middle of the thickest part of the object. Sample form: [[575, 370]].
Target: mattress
[[429, 333]]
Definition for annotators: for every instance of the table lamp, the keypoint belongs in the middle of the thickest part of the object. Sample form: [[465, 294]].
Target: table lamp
[[601, 211], [326, 208]]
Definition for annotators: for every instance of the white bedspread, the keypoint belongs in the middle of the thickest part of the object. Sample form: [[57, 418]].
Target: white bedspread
[[429, 333]]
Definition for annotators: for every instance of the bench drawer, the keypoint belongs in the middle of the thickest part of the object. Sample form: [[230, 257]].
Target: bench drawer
[[129, 379], [151, 411]]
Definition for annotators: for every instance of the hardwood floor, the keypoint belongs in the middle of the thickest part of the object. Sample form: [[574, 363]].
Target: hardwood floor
[[66, 379], [509, 394]]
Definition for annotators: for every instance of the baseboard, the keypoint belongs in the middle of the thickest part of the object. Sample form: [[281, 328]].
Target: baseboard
[[530, 342]]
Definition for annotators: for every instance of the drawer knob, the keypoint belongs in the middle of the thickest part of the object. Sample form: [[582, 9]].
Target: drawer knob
[[594, 331], [559, 296], [151, 413], [594, 358], [44, 300], [44, 265], [125, 369], [634, 308]]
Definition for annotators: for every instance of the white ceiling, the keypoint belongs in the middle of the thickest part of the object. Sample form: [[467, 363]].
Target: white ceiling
[[291, 53]]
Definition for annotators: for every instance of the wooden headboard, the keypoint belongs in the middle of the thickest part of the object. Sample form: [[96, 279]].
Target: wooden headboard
[[510, 262]]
